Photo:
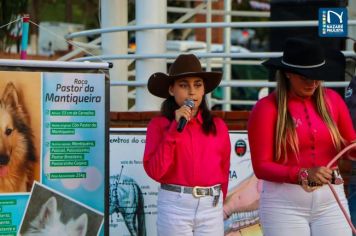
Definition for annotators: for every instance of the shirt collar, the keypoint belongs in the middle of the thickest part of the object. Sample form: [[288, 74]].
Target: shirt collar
[[295, 97]]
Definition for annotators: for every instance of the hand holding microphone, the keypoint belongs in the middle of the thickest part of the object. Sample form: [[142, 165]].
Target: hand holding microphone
[[184, 113]]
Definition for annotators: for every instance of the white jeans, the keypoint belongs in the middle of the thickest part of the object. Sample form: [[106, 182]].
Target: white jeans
[[181, 214], [286, 209]]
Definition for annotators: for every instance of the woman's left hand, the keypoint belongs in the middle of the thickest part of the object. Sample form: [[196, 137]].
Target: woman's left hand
[[320, 175]]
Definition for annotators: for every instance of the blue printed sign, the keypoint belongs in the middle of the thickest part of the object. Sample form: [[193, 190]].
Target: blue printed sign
[[332, 22]]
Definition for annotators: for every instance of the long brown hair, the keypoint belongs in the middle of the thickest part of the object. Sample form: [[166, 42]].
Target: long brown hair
[[286, 134]]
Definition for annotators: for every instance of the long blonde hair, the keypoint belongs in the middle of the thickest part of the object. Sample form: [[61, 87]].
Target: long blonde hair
[[286, 134]]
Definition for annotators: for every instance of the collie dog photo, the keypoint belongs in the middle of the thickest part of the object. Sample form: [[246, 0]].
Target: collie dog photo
[[50, 213], [18, 155]]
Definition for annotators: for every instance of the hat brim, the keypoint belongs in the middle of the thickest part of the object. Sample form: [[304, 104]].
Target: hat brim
[[332, 70], [158, 83], [318, 73]]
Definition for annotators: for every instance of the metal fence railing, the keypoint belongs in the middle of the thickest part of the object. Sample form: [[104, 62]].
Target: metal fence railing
[[257, 57]]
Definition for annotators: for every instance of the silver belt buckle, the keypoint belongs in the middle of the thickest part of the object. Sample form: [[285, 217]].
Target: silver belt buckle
[[339, 181], [195, 193], [216, 191], [337, 177]]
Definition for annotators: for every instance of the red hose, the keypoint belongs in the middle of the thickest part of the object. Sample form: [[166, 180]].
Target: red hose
[[353, 145]]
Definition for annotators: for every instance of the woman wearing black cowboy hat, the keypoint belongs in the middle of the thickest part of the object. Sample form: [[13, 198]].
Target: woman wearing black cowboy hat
[[293, 134], [187, 151]]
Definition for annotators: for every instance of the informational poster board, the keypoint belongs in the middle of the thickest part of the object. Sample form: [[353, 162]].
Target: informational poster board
[[52, 153], [133, 195]]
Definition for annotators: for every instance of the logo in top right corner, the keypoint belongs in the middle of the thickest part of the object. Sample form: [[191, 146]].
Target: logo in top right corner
[[333, 22]]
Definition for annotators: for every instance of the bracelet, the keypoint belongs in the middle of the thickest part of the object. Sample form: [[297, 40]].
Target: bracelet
[[303, 176], [305, 183]]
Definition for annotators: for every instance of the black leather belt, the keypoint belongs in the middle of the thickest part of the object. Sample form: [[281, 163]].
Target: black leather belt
[[196, 191]]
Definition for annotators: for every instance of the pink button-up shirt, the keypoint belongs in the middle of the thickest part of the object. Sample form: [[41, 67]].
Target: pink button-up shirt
[[315, 144], [190, 158]]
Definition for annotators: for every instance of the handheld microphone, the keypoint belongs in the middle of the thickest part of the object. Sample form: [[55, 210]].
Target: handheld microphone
[[182, 121]]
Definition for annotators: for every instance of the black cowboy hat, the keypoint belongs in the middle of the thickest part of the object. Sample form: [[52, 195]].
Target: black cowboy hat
[[186, 65], [307, 58]]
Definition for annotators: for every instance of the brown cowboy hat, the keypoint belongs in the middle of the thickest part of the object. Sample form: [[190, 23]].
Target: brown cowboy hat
[[308, 58], [186, 65]]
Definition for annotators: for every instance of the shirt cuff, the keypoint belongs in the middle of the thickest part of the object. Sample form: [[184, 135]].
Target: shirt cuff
[[293, 174]]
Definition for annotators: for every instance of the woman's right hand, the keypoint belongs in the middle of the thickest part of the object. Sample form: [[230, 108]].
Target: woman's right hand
[[183, 111], [320, 175]]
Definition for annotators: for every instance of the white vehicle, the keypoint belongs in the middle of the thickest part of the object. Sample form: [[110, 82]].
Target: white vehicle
[[49, 43]]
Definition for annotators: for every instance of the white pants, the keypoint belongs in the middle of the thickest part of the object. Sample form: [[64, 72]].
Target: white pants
[[286, 209], [181, 214]]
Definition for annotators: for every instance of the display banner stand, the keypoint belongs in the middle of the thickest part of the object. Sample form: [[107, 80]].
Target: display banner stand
[[54, 148]]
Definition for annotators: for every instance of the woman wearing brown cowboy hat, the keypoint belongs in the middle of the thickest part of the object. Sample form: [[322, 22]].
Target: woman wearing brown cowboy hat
[[293, 134], [187, 151]]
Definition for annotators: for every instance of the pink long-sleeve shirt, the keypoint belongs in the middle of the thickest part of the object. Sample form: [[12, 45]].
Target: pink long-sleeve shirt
[[190, 158], [315, 144]]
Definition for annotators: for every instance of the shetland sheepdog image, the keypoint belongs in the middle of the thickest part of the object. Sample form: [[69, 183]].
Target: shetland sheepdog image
[[17, 151], [48, 222]]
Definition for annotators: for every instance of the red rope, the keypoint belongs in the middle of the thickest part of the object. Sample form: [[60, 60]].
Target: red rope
[[353, 145]]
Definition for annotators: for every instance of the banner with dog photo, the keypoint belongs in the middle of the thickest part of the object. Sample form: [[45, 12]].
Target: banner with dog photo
[[20, 134], [52, 131], [73, 153]]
